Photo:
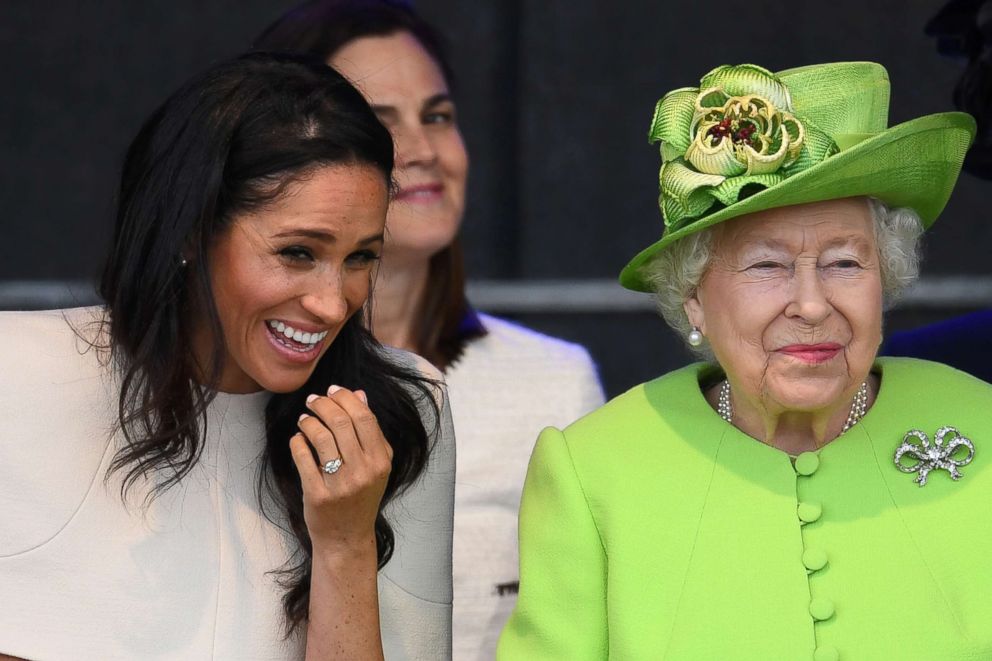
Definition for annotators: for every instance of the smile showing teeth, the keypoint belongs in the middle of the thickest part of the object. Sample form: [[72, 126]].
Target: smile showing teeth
[[308, 340]]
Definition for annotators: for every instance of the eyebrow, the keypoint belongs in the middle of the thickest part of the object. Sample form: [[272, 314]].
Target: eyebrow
[[325, 237], [839, 242], [437, 99]]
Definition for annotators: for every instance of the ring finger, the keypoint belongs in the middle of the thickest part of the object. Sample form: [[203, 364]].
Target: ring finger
[[328, 455]]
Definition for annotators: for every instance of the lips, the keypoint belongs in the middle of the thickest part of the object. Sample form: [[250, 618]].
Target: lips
[[292, 343], [420, 193], [812, 353]]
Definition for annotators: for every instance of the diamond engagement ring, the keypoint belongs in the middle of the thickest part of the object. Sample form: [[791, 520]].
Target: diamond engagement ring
[[332, 466]]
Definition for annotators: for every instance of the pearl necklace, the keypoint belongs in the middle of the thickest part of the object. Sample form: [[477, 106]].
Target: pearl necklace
[[858, 408]]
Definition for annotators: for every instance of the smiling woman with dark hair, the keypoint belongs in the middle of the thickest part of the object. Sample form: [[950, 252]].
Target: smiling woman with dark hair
[[506, 382], [221, 462]]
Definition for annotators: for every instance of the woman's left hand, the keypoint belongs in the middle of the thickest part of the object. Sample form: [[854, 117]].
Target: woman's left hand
[[341, 497], [340, 508]]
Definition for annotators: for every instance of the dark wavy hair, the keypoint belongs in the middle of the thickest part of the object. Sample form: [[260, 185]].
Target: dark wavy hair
[[227, 142], [445, 320]]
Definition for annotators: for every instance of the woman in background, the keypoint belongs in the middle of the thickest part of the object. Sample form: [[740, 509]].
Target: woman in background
[[505, 382], [221, 462]]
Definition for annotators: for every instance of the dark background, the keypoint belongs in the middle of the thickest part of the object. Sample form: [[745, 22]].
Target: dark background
[[555, 98]]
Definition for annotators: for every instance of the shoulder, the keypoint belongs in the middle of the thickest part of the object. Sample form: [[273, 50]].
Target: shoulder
[[58, 414], [505, 338], [433, 379], [436, 414], [413, 362], [924, 384], [659, 401], [527, 358], [50, 339], [544, 380]]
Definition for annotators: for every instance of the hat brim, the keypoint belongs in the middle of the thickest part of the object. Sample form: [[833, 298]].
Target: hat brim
[[914, 164]]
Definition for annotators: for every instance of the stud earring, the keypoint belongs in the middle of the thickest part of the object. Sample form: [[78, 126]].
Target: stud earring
[[183, 262], [695, 337]]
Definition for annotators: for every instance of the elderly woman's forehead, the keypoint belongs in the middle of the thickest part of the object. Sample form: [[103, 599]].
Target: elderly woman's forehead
[[833, 221]]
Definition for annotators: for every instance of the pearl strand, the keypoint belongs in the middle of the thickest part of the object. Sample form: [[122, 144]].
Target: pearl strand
[[858, 408]]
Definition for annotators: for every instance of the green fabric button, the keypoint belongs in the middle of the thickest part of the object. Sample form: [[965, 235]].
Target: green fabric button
[[826, 653], [809, 512], [815, 559], [821, 609], [807, 463]]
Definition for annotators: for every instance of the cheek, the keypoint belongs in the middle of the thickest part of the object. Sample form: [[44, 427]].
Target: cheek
[[743, 313], [454, 156], [861, 305], [244, 292], [356, 290]]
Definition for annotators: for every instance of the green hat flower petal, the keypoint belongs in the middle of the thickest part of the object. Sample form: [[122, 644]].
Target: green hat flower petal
[[745, 79], [672, 118], [685, 192], [738, 123]]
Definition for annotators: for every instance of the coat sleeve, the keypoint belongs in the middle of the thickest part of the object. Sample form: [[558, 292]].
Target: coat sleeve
[[415, 592], [561, 610]]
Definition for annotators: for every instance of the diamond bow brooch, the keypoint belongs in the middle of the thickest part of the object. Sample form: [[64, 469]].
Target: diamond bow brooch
[[931, 456]]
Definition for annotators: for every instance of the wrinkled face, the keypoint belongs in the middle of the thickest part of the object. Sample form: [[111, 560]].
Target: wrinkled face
[[406, 88], [791, 304], [285, 278]]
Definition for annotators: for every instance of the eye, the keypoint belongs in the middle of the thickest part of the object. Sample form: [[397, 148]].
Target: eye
[[298, 254], [362, 258], [845, 264], [766, 265], [439, 117]]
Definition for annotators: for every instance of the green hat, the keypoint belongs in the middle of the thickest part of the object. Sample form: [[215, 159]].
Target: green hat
[[748, 139]]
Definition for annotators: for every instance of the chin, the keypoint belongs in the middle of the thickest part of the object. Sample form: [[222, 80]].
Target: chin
[[283, 383], [808, 394]]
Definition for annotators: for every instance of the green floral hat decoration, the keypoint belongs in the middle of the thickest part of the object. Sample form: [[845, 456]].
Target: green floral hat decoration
[[748, 139]]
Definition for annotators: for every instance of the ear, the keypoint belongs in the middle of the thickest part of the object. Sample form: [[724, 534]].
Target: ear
[[694, 310]]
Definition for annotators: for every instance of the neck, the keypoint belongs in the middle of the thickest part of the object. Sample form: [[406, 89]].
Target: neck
[[399, 292], [793, 432]]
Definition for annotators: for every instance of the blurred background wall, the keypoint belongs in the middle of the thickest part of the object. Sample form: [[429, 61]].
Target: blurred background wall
[[555, 98]]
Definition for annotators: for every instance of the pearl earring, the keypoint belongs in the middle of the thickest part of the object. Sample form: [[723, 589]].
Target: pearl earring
[[182, 261], [695, 337]]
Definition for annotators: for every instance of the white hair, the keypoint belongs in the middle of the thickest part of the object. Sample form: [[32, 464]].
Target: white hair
[[675, 272]]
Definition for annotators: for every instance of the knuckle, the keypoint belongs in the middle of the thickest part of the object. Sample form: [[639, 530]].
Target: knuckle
[[367, 419], [339, 423]]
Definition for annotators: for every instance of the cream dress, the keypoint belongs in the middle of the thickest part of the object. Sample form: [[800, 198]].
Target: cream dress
[[85, 575]]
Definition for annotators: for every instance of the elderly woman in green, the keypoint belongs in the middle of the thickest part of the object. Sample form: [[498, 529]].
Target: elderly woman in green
[[792, 496]]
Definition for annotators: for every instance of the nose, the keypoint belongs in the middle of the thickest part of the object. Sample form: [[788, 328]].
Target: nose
[[327, 302], [809, 302], [413, 146]]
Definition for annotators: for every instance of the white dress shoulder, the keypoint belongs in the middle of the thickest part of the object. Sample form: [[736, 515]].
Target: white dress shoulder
[[505, 388], [191, 574]]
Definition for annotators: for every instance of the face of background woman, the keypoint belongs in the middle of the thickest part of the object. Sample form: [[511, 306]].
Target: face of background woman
[[300, 266], [407, 90], [791, 304]]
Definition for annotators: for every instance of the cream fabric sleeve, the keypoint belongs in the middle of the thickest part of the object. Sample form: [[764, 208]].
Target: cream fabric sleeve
[[415, 585]]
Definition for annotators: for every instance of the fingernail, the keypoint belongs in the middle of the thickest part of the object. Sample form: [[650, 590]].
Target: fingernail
[[362, 396], [311, 398], [333, 389], [303, 417]]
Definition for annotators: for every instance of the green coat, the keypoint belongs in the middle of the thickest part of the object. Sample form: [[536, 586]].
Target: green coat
[[652, 529]]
